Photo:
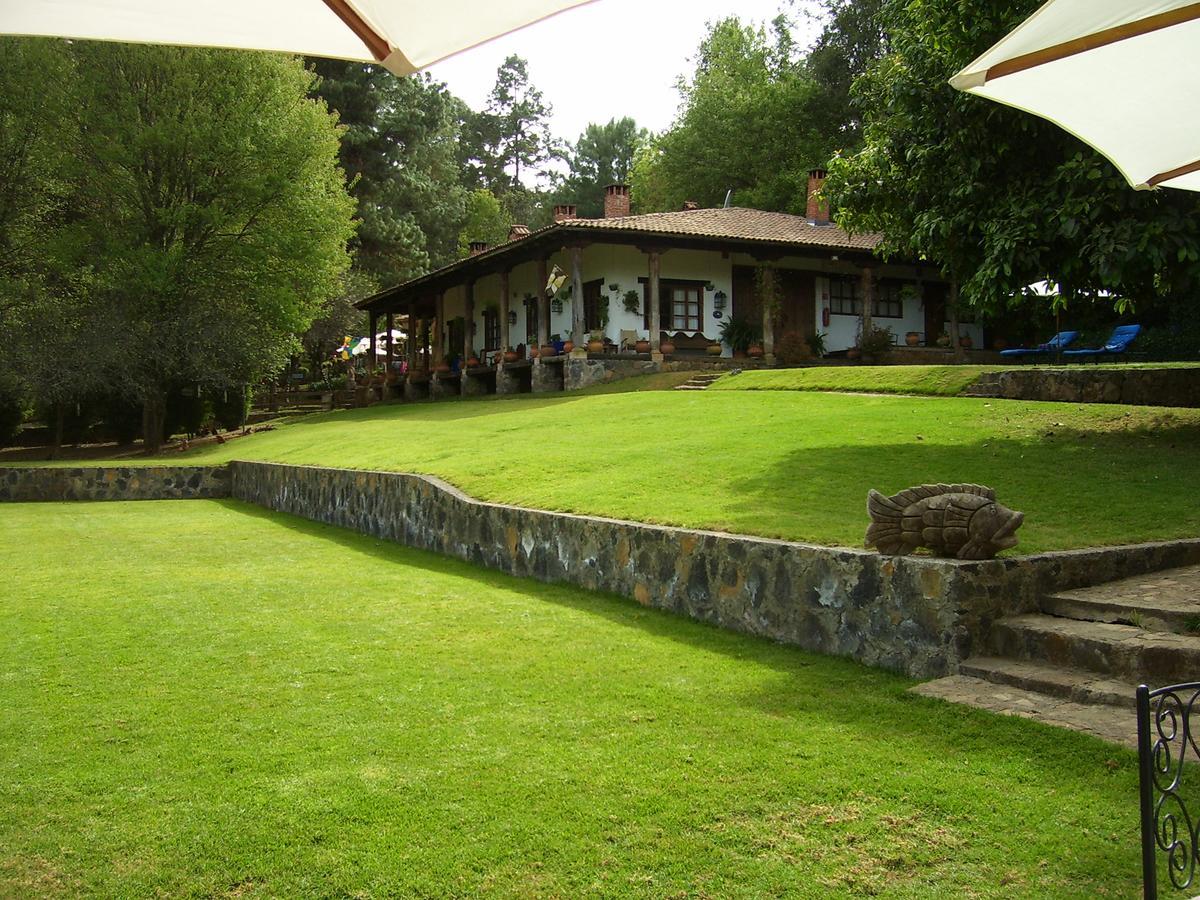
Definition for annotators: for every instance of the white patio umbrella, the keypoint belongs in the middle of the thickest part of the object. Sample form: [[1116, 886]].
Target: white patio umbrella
[[403, 35], [1121, 75]]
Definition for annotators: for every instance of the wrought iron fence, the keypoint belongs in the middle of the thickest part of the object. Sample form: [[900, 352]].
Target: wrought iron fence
[[1164, 740]]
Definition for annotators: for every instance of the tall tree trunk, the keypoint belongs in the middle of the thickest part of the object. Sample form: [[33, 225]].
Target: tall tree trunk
[[153, 414]]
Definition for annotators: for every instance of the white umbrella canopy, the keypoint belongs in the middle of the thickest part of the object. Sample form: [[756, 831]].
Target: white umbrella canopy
[[1121, 75], [403, 35]]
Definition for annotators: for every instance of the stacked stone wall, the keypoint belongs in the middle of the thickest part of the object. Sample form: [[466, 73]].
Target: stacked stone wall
[[30, 484]]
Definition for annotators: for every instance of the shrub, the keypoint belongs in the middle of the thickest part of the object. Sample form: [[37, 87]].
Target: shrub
[[12, 413], [876, 341], [793, 347], [122, 419], [1178, 342], [231, 408], [186, 412]]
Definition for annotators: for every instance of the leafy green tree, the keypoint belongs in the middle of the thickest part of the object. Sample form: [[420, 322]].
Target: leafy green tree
[[1000, 198], [399, 151], [851, 40], [209, 212], [511, 135], [603, 155], [742, 126], [486, 220]]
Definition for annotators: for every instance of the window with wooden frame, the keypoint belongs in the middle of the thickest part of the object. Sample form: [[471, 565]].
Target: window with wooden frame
[[686, 307], [888, 302], [591, 304], [491, 329], [845, 296], [531, 326]]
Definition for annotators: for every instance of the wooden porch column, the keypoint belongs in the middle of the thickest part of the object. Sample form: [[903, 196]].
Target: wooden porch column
[[577, 320], [468, 321], [768, 317], [423, 331], [373, 318], [391, 321], [543, 304], [439, 341], [655, 311], [504, 332], [412, 335], [868, 299]]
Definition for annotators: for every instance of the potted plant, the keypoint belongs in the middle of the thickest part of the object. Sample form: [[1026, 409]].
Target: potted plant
[[738, 334], [943, 340], [595, 342], [510, 355], [755, 351], [667, 347], [875, 343], [816, 343], [632, 302], [912, 338], [547, 350], [999, 343], [964, 341], [568, 346], [642, 345], [442, 368], [614, 287], [472, 359], [713, 349]]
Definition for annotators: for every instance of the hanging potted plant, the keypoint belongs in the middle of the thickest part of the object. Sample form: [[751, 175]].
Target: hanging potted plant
[[632, 302]]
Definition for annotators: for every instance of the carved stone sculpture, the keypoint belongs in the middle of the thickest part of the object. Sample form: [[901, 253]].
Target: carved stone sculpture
[[957, 520]]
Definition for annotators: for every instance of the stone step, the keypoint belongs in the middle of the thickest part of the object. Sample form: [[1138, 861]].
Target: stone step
[[1076, 685], [691, 387], [1110, 723], [1123, 652], [1168, 600]]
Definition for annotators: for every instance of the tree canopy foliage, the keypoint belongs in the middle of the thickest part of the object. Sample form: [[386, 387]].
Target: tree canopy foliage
[[603, 155], [999, 198], [201, 220]]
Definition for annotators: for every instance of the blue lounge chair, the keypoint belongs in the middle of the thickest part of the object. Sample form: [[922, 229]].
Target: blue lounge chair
[[1060, 341], [1118, 343]]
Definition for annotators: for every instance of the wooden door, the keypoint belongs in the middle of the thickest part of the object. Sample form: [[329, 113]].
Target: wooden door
[[797, 307]]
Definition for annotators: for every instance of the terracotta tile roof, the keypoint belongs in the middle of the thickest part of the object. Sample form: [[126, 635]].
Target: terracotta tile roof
[[735, 223]]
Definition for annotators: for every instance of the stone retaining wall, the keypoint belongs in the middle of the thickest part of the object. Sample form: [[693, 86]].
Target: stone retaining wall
[[916, 615], [581, 373], [1175, 386], [96, 483]]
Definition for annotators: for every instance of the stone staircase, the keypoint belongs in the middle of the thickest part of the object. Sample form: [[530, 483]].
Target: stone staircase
[[699, 381], [986, 385], [1077, 661]]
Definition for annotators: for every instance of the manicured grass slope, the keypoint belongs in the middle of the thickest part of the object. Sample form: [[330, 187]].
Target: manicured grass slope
[[205, 699], [944, 381], [792, 465]]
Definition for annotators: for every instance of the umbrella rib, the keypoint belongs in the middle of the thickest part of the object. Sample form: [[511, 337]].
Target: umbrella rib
[[1103, 38], [1174, 173], [379, 47]]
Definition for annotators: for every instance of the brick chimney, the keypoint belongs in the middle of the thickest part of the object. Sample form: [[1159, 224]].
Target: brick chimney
[[616, 201], [564, 212], [818, 210], [478, 247], [516, 232]]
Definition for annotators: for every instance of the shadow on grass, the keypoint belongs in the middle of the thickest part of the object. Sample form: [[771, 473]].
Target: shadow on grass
[[872, 701]]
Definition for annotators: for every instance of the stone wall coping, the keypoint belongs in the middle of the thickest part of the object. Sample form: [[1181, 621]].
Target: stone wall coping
[[1046, 556]]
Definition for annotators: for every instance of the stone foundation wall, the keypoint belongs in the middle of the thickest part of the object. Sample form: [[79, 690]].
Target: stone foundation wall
[[581, 373], [916, 615], [134, 483], [1139, 387]]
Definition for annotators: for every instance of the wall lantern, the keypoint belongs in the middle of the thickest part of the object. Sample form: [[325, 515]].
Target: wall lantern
[[512, 317], [719, 299]]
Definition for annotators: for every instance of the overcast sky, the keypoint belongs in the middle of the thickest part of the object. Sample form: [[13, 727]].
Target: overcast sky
[[609, 59]]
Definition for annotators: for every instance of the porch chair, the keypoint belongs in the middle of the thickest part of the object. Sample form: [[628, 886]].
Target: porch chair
[[1164, 738], [1117, 344], [627, 340], [1059, 342]]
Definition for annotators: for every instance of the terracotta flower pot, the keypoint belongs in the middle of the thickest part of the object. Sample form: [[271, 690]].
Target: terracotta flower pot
[[853, 353], [739, 354], [595, 346], [510, 356], [568, 346], [666, 348], [533, 353], [472, 361], [641, 346], [965, 342], [912, 338], [999, 344], [713, 349], [442, 368], [548, 350], [754, 351]]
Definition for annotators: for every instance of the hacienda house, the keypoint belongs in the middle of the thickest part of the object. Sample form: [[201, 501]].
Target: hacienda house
[[639, 284]]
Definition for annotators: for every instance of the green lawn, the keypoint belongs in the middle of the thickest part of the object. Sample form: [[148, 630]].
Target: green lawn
[[942, 381], [781, 464], [202, 698]]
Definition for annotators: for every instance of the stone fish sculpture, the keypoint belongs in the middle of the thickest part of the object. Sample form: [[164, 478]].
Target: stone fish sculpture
[[958, 520]]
